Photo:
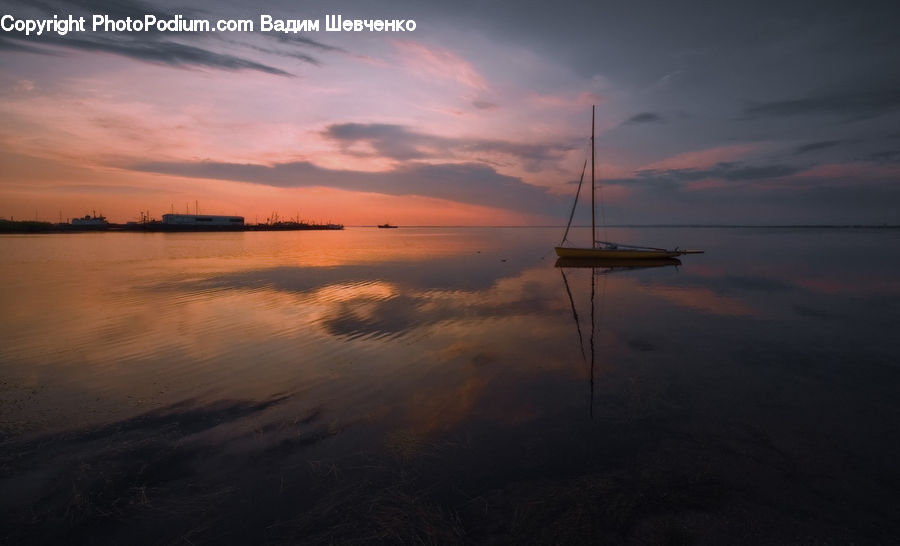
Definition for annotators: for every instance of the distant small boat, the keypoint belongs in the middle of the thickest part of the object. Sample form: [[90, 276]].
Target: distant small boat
[[603, 250], [387, 226]]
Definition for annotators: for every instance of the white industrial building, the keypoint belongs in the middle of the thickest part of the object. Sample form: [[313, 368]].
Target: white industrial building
[[202, 220]]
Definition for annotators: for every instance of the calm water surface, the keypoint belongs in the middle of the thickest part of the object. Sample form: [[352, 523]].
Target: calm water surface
[[449, 386]]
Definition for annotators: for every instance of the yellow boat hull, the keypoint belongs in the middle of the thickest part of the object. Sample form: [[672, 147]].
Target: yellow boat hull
[[616, 253]]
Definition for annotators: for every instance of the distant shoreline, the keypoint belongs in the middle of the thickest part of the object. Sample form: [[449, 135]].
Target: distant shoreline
[[38, 227], [699, 226]]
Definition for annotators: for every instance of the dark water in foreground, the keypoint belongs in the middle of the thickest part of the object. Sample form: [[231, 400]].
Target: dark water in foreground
[[435, 386]]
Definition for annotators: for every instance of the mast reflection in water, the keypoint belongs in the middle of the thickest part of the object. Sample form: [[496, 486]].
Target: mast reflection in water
[[602, 267]]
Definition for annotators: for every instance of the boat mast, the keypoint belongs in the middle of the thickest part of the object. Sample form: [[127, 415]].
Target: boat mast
[[593, 222]]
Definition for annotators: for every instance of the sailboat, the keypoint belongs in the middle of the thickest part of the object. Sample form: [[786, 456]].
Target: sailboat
[[606, 250]]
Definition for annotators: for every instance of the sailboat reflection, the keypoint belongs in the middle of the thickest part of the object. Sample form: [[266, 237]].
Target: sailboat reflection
[[600, 266], [609, 265]]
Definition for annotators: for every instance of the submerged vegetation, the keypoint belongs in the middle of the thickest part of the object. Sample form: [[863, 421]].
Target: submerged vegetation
[[230, 472], [168, 477]]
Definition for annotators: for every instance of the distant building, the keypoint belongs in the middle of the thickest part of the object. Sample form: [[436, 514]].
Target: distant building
[[202, 220], [90, 221]]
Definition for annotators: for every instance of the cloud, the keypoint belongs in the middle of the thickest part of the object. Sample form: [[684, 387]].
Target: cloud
[[142, 46], [439, 63], [857, 104], [567, 100], [105, 189], [644, 117], [484, 105], [855, 193], [814, 146], [290, 41], [701, 159], [885, 156], [401, 143], [290, 54], [166, 52], [734, 172], [749, 172], [21, 47], [393, 141], [470, 183], [294, 39]]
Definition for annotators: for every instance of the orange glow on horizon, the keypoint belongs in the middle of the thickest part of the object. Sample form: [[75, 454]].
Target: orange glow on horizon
[[54, 194]]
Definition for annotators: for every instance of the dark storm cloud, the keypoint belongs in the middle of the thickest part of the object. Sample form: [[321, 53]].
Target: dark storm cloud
[[465, 183], [644, 117], [820, 145], [402, 143]]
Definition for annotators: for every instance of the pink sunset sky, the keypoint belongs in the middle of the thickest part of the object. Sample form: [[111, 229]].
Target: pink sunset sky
[[474, 118]]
